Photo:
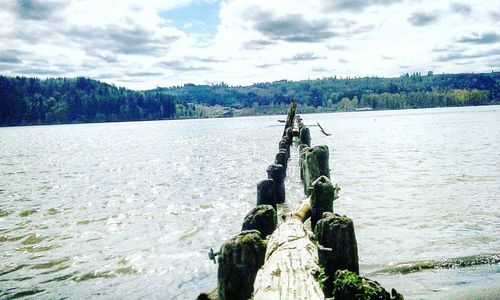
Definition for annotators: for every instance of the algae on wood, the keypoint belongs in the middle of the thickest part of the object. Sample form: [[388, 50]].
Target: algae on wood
[[239, 260]]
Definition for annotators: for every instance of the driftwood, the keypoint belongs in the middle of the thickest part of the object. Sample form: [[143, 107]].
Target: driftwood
[[291, 262], [323, 131]]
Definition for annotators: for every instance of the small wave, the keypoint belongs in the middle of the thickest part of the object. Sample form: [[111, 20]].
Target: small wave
[[451, 263]]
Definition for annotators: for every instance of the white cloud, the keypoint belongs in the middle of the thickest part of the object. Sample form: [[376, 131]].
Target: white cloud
[[128, 43]]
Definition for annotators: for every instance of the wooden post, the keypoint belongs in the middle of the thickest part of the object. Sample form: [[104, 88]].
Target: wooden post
[[316, 164], [339, 249], [277, 174], [305, 136], [281, 159], [285, 145], [323, 193], [302, 159], [239, 260], [266, 193], [261, 218], [290, 116]]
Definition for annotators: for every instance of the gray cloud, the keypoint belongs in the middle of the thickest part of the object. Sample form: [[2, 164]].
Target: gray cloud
[[9, 59], [38, 10], [119, 40], [420, 18], [205, 59], [39, 71], [338, 47], [320, 70], [384, 57], [355, 5], [291, 27], [257, 44], [494, 16], [181, 66], [485, 38], [461, 8], [144, 74], [452, 56], [343, 60], [304, 56], [265, 66]]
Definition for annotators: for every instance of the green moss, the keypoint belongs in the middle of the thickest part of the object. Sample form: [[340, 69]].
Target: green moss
[[27, 213], [4, 213], [322, 278]]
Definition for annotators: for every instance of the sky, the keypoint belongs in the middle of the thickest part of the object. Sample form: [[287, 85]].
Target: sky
[[160, 43]]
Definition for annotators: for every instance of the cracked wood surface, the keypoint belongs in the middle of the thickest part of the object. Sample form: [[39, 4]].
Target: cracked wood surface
[[290, 265]]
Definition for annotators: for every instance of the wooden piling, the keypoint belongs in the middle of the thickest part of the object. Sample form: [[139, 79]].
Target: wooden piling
[[316, 164], [277, 174], [282, 159], [305, 136], [239, 260], [339, 250], [262, 218], [323, 193], [266, 193]]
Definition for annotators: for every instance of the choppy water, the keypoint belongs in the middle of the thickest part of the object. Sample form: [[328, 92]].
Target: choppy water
[[130, 210]]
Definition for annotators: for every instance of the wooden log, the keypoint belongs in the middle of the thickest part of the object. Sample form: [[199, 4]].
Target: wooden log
[[323, 193], [316, 164], [239, 260], [262, 218], [339, 249], [277, 174], [305, 136], [266, 193], [291, 265]]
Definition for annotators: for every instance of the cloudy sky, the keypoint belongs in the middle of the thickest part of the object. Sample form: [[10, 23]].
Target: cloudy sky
[[145, 44]]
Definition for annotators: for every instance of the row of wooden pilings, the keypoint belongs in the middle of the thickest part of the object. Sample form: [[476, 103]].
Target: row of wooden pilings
[[293, 260]]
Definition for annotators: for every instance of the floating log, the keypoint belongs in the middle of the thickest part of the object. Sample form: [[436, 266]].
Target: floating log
[[239, 260], [291, 265], [339, 250], [261, 218], [277, 174], [266, 193], [323, 131], [316, 164], [323, 193]]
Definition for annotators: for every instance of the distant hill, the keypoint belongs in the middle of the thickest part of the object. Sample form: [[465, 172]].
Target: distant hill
[[25, 101]]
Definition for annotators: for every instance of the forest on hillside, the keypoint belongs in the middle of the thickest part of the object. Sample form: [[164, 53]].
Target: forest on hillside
[[27, 101]]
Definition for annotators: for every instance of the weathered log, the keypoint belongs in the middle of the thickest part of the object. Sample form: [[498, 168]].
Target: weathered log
[[266, 193], [262, 218], [303, 212], [350, 286], [323, 193], [291, 265], [277, 174], [339, 249], [316, 164], [239, 260], [305, 136], [281, 159]]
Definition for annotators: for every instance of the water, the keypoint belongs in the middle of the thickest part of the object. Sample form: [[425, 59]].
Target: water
[[130, 210]]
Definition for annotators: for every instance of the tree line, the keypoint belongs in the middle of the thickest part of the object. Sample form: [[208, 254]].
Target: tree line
[[25, 101]]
